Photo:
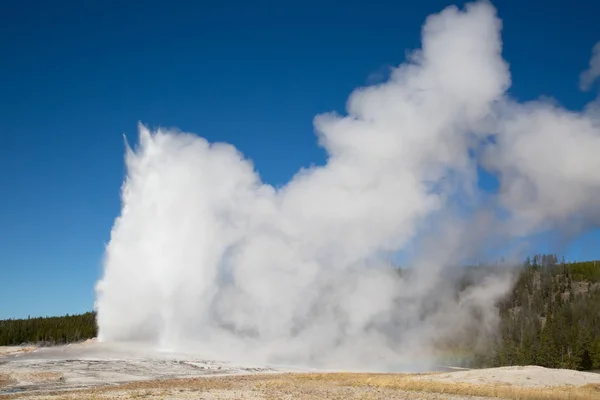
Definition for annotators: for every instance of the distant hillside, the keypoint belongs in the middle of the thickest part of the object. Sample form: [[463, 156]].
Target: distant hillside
[[551, 318]]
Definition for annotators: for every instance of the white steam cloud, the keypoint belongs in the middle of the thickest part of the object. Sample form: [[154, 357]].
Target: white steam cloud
[[593, 72], [207, 258]]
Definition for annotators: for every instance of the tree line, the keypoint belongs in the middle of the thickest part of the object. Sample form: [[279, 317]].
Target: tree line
[[551, 318], [48, 330]]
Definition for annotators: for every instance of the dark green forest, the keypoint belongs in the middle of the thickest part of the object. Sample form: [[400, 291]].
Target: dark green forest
[[47, 331], [551, 318]]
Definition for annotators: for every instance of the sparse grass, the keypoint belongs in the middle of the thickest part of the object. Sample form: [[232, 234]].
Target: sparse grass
[[318, 386], [40, 376], [504, 391]]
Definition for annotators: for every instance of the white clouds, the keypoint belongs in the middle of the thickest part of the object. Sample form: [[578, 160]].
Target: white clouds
[[548, 159], [588, 76], [207, 257]]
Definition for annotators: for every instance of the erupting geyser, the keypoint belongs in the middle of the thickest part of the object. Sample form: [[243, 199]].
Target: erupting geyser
[[207, 258]]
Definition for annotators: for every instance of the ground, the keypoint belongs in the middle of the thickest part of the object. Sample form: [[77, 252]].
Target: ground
[[85, 372]]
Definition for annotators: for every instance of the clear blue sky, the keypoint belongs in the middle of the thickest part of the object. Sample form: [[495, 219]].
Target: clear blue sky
[[77, 74]]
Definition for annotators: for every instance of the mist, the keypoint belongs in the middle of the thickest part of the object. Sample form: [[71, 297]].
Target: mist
[[207, 258]]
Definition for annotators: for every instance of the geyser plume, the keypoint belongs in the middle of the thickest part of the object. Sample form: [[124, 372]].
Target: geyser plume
[[205, 257]]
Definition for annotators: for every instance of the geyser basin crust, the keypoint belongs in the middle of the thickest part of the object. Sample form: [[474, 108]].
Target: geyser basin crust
[[97, 371]]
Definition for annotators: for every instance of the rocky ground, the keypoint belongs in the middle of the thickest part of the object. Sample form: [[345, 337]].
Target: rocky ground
[[87, 371], [88, 365]]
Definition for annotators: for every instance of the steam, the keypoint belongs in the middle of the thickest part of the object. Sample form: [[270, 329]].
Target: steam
[[207, 258], [593, 72]]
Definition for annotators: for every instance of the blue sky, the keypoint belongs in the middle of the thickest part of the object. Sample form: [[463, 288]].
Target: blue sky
[[75, 75]]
